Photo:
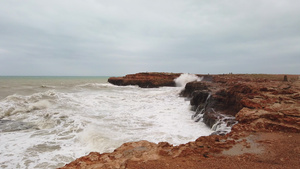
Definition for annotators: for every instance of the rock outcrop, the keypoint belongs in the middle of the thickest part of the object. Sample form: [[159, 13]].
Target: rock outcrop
[[266, 108], [146, 80], [262, 103]]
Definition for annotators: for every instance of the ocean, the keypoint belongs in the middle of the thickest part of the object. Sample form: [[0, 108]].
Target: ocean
[[47, 122]]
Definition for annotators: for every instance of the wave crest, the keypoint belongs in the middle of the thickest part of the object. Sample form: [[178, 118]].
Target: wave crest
[[185, 78]]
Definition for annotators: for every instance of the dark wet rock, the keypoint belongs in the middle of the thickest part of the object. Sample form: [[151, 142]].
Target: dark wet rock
[[192, 87], [199, 99], [213, 105]]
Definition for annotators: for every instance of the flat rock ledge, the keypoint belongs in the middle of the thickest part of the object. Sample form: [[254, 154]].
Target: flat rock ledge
[[267, 135], [146, 80]]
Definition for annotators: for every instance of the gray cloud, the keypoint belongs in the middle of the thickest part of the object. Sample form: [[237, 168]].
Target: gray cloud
[[98, 37]]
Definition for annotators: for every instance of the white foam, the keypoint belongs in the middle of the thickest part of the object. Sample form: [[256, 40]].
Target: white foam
[[41, 104], [69, 124], [185, 78], [222, 126]]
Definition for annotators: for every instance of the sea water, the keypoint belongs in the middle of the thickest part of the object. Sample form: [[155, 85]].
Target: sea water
[[46, 122]]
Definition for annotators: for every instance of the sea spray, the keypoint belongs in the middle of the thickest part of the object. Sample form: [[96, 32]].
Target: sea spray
[[224, 124], [94, 138], [66, 122], [185, 78]]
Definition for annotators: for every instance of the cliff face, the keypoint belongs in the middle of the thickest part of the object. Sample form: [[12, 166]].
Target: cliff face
[[259, 104], [146, 80], [215, 104], [266, 108]]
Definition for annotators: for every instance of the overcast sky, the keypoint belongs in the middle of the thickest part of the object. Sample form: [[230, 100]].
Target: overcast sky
[[117, 37]]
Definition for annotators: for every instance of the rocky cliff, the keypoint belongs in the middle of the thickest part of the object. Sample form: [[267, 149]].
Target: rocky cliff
[[265, 107], [146, 80], [264, 103]]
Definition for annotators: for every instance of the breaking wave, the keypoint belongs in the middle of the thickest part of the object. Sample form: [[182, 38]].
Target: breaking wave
[[64, 123], [185, 78]]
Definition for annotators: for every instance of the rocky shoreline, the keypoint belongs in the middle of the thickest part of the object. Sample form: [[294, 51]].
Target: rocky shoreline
[[146, 80], [263, 112]]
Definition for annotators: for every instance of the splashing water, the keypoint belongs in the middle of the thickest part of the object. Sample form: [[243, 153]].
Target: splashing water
[[47, 127], [185, 78]]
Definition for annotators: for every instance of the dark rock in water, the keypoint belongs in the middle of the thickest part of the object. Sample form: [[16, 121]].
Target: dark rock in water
[[191, 87], [199, 97], [210, 117], [116, 81], [214, 107], [146, 80]]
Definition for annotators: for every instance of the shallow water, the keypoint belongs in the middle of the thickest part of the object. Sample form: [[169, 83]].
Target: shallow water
[[46, 122]]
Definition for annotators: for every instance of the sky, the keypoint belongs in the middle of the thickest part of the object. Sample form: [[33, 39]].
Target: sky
[[119, 37]]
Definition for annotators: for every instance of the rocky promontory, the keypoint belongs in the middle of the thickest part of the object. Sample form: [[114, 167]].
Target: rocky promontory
[[263, 112], [146, 79]]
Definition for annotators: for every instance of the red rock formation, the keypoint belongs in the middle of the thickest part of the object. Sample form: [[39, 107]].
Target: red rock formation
[[146, 80], [267, 134], [275, 107]]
